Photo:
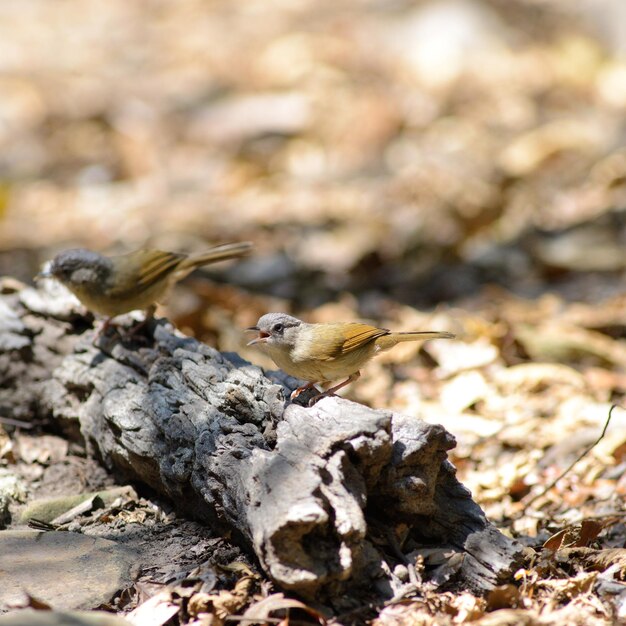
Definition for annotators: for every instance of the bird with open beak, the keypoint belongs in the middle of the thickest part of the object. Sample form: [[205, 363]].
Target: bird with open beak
[[320, 353]]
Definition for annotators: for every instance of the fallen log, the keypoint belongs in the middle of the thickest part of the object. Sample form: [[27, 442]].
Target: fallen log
[[330, 498]]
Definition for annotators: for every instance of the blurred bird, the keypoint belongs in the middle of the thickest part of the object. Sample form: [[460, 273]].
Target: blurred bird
[[321, 353], [115, 285]]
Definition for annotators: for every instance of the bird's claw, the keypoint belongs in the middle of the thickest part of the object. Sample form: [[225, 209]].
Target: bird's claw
[[296, 392]]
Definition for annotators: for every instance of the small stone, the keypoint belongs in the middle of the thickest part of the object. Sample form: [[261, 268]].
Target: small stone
[[11, 489], [402, 572], [64, 570], [28, 617]]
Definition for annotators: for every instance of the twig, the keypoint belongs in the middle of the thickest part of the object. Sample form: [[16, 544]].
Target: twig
[[571, 465], [241, 618], [13, 422], [267, 620], [38, 524]]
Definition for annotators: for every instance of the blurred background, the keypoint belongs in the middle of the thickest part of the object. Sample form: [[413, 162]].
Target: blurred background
[[390, 159]]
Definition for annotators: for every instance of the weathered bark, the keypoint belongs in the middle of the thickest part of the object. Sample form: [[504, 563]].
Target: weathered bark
[[302, 487]]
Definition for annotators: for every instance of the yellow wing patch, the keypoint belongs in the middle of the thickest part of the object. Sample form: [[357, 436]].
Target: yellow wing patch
[[341, 339], [357, 335], [156, 265]]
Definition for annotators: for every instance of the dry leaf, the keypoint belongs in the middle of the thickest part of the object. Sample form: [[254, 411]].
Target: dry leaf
[[554, 543], [225, 603], [577, 536], [509, 617], [599, 560], [503, 597], [156, 611], [458, 356], [570, 587], [261, 610], [43, 449], [531, 376], [531, 150], [468, 608], [559, 342]]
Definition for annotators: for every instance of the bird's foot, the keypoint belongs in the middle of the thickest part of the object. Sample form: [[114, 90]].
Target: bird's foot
[[296, 392], [331, 392], [132, 334], [326, 394], [146, 323], [103, 331], [136, 331]]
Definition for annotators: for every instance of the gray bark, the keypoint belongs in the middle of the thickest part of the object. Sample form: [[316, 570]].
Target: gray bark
[[306, 489]]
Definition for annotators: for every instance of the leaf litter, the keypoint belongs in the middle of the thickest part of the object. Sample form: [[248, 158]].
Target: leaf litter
[[388, 159]]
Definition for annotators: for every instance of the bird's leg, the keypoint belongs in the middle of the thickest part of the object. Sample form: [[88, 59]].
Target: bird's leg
[[102, 330], [146, 320], [350, 379], [296, 392], [332, 390]]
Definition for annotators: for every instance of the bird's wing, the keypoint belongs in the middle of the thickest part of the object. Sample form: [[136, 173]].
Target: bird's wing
[[345, 339], [154, 265], [357, 335]]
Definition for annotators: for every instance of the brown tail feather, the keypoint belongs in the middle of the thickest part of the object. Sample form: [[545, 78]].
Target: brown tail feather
[[218, 253], [389, 341], [420, 336]]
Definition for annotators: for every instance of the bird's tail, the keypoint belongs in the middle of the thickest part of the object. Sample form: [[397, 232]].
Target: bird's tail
[[393, 338], [218, 253], [422, 336]]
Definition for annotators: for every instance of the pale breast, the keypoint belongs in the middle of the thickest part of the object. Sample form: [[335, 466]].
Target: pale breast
[[304, 369], [102, 304], [331, 369], [347, 364]]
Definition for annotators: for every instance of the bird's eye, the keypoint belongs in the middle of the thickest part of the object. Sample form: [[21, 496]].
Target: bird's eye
[[278, 328]]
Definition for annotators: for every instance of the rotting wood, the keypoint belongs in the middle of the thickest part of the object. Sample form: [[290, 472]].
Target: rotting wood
[[304, 488]]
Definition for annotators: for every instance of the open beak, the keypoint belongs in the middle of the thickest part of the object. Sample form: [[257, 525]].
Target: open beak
[[262, 338]]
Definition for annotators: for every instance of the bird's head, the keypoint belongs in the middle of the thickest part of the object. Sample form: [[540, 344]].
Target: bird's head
[[276, 330], [78, 267]]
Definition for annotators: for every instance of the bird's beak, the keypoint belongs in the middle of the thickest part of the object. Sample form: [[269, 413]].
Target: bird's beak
[[262, 338], [45, 273]]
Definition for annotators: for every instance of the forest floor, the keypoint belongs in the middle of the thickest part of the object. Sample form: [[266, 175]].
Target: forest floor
[[450, 165]]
